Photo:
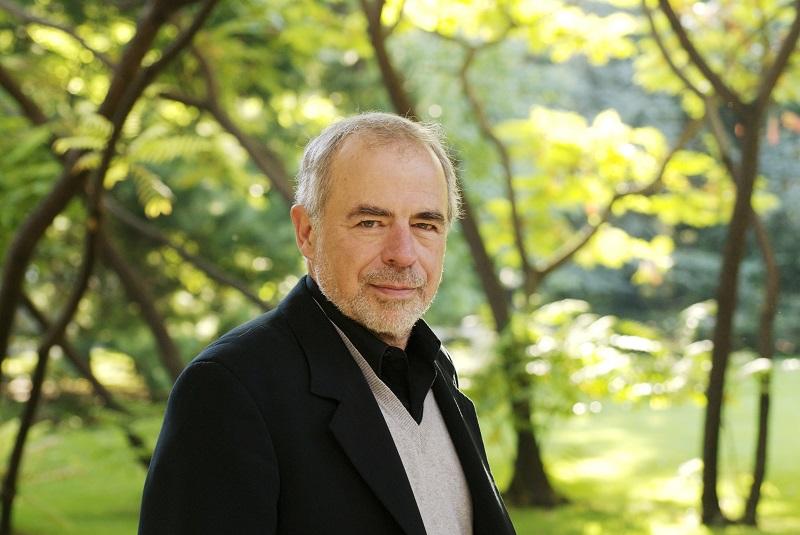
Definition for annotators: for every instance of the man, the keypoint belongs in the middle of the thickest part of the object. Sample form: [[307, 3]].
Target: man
[[337, 412]]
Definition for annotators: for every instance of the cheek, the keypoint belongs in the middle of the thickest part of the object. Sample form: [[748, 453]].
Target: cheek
[[433, 262], [354, 259]]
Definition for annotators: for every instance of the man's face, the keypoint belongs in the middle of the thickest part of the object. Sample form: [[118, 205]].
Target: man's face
[[378, 248]]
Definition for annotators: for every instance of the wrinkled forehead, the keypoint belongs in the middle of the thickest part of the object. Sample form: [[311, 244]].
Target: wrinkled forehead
[[363, 167]]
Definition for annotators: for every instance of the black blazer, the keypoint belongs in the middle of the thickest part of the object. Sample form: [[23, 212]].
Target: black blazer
[[273, 430]]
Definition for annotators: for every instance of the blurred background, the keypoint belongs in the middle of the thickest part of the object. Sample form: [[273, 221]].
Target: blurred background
[[621, 296]]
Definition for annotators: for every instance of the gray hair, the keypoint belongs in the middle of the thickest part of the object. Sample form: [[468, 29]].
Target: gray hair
[[314, 180]]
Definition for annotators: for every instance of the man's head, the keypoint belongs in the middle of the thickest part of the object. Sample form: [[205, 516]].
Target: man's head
[[375, 198]]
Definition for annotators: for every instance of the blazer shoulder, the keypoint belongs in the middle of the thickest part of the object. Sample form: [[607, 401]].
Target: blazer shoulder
[[254, 346]]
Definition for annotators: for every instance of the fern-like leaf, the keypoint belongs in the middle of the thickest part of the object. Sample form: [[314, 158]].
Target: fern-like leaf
[[154, 196], [158, 150]]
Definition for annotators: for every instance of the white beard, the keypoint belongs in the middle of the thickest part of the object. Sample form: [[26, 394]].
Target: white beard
[[392, 318]]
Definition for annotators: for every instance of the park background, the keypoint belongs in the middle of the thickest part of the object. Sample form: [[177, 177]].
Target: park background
[[621, 295]]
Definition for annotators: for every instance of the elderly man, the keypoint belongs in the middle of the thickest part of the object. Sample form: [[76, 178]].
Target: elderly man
[[337, 412]]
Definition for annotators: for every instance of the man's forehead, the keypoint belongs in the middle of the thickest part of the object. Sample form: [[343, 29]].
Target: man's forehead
[[365, 171], [381, 142]]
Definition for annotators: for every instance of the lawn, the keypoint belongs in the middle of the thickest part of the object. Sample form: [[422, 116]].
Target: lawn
[[637, 471], [627, 471]]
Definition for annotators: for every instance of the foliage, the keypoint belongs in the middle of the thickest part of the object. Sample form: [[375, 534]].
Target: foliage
[[576, 357]]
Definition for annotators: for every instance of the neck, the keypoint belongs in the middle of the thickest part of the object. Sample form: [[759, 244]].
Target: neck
[[392, 340]]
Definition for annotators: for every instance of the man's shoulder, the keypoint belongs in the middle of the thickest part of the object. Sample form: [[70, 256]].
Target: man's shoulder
[[255, 341], [264, 336]]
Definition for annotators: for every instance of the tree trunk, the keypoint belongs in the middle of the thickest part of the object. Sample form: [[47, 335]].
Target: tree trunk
[[484, 267], [765, 350], [9, 489], [82, 367], [21, 248], [530, 485], [392, 80], [726, 305]]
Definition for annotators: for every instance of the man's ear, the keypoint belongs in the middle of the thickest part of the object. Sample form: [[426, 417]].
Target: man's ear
[[303, 231]]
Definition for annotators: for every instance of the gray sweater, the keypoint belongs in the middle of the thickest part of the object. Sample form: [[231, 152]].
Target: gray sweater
[[428, 455]]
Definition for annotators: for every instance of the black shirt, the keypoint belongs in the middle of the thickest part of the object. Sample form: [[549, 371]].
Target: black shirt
[[409, 374]]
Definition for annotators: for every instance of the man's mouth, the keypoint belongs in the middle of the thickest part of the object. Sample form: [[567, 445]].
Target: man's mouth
[[393, 290]]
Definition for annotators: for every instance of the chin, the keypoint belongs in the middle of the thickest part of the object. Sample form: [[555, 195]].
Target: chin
[[395, 320]]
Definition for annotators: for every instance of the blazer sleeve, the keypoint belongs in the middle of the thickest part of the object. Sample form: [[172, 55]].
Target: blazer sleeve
[[214, 470]]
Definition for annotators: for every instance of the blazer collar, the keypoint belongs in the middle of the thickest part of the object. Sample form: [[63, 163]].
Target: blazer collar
[[357, 423], [489, 516]]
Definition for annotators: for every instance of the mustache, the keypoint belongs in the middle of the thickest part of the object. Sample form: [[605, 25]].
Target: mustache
[[402, 277]]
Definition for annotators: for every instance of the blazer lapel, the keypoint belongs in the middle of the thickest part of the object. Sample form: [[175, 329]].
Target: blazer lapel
[[357, 424], [488, 512]]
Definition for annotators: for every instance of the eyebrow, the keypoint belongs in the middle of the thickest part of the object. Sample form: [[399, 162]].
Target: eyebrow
[[431, 215], [377, 211], [369, 209]]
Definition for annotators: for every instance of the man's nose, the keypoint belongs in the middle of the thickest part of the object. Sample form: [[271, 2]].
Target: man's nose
[[399, 249]]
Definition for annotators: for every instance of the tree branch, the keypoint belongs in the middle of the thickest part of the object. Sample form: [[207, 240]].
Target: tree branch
[[697, 59], [666, 55], [154, 16], [23, 15], [80, 364], [136, 290], [139, 293], [723, 143], [781, 60], [21, 248], [187, 100], [31, 110], [388, 31], [771, 289], [590, 229], [9, 488], [209, 77], [505, 163], [55, 333], [392, 80], [148, 74], [131, 92], [30, 232], [211, 270], [267, 161], [763, 32], [766, 317]]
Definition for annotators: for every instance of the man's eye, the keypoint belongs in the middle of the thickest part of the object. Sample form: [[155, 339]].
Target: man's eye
[[369, 223], [426, 226]]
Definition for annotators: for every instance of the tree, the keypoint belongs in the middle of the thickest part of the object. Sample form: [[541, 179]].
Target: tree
[[129, 79], [129, 138], [593, 175], [748, 98]]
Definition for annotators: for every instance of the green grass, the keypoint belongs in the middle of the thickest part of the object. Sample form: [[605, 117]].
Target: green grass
[[76, 479], [637, 470], [627, 471]]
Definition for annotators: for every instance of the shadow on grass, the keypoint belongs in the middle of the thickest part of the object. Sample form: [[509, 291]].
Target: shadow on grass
[[644, 518]]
